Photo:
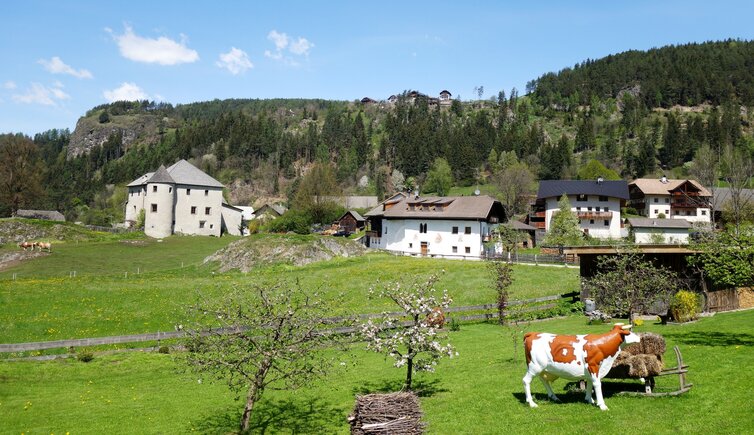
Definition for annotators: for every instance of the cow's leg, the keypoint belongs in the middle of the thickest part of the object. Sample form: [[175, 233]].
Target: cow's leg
[[588, 396], [598, 392], [527, 387], [548, 387]]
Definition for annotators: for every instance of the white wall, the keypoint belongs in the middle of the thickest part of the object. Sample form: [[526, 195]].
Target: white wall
[[188, 223], [159, 223], [669, 235], [653, 209], [402, 235], [135, 202], [231, 220], [598, 228]]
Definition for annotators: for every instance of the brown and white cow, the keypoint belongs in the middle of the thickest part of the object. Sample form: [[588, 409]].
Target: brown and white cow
[[27, 245], [573, 357]]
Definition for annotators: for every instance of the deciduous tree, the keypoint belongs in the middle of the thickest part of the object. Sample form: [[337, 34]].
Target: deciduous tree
[[20, 173]]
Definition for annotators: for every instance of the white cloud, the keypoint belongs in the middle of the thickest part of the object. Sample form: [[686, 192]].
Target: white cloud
[[236, 61], [10, 84], [163, 51], [40, 94], [297, 46], [57, 66], [126, 92], [301, 47]]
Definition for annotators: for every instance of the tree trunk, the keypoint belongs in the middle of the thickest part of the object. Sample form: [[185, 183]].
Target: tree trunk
[[251, 398], [409, 372]]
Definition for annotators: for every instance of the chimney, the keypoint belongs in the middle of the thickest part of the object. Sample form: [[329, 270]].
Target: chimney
[[600, 179], [664, 179]]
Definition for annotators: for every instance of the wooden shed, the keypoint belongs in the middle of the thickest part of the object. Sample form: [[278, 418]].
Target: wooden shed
[[351, 222]]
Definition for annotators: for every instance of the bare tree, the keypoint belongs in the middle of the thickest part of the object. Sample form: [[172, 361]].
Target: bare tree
[[515, 183], [737, 170], [706, 170], [260, 338]]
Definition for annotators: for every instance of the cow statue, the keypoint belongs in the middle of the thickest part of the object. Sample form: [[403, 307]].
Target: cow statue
[[573, 357]]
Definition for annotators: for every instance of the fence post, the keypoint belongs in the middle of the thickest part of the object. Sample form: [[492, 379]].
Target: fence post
[[535, 260]]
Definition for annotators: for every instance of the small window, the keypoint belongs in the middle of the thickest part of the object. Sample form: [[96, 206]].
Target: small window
[[206, 192], [607, 209], [193, 209], [704, 212], [154, 208], [589, 209], [211, 226], [688, 213], [467, 249], [667, 200], [154, 188], [170, 190], [207, 210], [423, 228], [677, 212], [582, 198], [201, 224], [591, 221], [603, 198], [410, 245], [578, 208], [607, 222], [467, 230], [455, 249], [657, 200], [657, 211], [188, 191], [455, 230]]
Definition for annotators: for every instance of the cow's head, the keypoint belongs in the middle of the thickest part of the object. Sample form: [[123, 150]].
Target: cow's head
[[627, 335]]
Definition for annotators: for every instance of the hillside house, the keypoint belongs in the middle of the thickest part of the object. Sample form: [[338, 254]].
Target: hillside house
[[675, 199], [597, 204], [181, 199], [453, 227], [445, 97], [659, 231], [268, 212]]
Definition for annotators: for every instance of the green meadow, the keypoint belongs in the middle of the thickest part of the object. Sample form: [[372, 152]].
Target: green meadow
[[127, 287]]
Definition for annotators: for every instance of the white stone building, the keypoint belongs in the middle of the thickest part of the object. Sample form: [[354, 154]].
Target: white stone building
[[452, 227], [181, 199], [659, 231], [674, 199], [597, 204]]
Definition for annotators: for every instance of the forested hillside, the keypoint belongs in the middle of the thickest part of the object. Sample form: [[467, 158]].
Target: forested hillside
[[629, 115]]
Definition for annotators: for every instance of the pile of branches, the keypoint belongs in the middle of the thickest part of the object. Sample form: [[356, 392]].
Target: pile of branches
[[640, 360], [394, 413]]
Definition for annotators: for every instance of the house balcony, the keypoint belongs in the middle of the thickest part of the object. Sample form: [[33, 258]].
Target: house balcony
[[594, 214], [372, 234], [685, 203]]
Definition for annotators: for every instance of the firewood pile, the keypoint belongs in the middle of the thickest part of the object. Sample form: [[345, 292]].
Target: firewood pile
[[394, 413], [640, 360]]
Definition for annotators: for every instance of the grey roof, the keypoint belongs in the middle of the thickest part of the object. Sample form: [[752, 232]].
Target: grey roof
[[722, 195], [50, 215], [658, 223], [182, 172], [161, 176], [518, 225], [355, 215], [440, 207], [141, 180], [556, 188]]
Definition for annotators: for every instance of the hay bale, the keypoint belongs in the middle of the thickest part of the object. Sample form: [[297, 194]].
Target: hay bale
[[650, 344], [394, 413], [640, 360]]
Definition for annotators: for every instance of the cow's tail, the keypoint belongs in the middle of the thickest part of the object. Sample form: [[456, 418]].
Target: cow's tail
[[528, 338]]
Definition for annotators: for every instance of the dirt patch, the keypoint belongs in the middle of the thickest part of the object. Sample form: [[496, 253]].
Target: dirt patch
[[247, 254], [10, 259]]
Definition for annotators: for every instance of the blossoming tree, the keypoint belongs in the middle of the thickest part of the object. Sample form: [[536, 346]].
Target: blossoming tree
[[412, 337]]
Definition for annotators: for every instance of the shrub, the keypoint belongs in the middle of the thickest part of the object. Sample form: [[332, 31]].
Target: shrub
[[291, 221], [684, 306], [454, 324], [253, 226], [163, 349], [85, 356]]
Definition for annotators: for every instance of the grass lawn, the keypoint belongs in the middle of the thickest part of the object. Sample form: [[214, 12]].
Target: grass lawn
[[48, 305], [479, 392]]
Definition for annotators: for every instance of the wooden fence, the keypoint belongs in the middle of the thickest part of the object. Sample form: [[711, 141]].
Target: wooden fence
[[466, 313]]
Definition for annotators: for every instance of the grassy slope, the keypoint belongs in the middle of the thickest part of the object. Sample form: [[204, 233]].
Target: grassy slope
[[479, 392], [53, 306]]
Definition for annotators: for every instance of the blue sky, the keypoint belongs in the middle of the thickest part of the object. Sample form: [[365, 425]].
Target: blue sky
[[61, 58]]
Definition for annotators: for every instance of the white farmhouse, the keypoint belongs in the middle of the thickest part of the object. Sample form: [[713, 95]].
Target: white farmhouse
[[453, 227], [660, 231], [596, 203], [673, 199], [181, 199]]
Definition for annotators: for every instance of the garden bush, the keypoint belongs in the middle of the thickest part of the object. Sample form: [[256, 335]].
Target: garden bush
[[685, 306]]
